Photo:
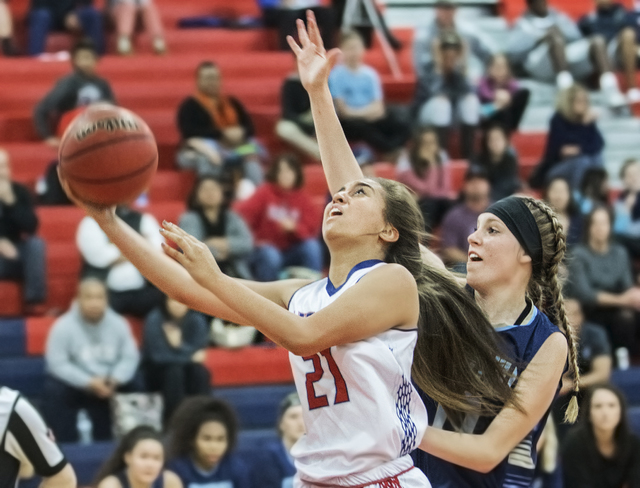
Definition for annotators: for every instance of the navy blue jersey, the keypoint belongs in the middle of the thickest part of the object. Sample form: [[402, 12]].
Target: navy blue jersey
[[522, 342]]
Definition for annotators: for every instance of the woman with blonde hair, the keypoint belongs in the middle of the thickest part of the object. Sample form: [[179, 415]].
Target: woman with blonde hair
[[574, 142]]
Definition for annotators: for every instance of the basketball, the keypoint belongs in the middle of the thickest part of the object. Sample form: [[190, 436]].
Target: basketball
[[108, 155]]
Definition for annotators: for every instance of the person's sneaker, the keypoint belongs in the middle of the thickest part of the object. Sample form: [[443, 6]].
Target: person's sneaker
[[633, 95], [615, 98], [564, 80], [124, 46], [159, 46]]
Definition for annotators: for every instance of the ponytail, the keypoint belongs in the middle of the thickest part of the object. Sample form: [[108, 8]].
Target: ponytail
[[546, 292], [456, 342]]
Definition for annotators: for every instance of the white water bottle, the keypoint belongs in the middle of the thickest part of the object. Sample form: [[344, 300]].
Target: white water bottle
[[85, 427], [622, 357]]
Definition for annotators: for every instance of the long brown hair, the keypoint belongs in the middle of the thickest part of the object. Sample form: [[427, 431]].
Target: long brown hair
[[545, 290], [455, 339]]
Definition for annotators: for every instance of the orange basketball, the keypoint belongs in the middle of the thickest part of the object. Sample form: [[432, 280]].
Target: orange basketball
[[108, 155]]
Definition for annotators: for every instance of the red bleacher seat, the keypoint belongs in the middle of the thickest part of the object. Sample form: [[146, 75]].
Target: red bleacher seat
[[250, 365], [11, 302], [171, 186]]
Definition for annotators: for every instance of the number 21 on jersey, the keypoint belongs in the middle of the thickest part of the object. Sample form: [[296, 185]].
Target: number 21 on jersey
[[342, 393]]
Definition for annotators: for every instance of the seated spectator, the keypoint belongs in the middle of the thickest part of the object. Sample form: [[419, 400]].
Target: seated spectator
[[609, 25], [76, 16], [627, 208], [296, 125], [7, 46], [497, 159], [602, 451], [443, 87], [79, 89], [594, 190], [547, 44], [129, 292], [600, 278], [209, 219], [558, 196], [357, 93], [173, 352], [203, 434], [125, 14], [22, 253], [574, 142], [216, 130], [137, 461], [282, 15], [90, 355], [274, 467], [426, 38], [502, 99], [460, 222], [284, 222], [424, 169], [594, 361]]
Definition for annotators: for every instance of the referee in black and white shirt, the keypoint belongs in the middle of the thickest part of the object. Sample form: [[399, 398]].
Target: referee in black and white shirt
[[25, 440]]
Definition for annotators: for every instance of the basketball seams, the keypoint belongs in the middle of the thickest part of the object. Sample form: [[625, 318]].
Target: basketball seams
[[103, 144], [114, 179]]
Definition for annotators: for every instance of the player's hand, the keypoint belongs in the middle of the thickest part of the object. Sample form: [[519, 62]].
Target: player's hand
[[314, 62], [100, 213], [195, 256]]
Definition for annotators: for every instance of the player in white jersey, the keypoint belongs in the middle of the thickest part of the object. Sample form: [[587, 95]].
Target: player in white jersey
[[351, 336]]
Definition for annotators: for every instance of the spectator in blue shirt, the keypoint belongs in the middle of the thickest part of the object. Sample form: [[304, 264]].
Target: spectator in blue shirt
[[609, 24], [574, 143], [274, 466], [203, 432], [357, 92]]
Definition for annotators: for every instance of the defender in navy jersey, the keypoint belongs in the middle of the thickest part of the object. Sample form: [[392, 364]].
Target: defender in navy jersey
[[512, 269], [522, 341]]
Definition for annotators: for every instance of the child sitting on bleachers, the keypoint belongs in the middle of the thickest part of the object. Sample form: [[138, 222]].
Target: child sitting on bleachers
[[203, 434], [138, 462]]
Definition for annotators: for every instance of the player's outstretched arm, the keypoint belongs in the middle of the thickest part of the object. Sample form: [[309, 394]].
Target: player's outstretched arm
[[169, 276], [535, 389], [314, 64], [361, 312]]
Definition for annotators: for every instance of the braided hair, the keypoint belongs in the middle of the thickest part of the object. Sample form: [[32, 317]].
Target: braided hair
[[545, 290]]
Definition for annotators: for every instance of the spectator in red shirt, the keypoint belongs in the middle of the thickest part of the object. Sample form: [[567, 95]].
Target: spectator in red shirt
[[284, 222]]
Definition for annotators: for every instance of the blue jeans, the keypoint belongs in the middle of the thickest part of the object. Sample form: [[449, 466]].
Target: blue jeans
[[268, 261], [29, 268], [573, 169], [41, 21]]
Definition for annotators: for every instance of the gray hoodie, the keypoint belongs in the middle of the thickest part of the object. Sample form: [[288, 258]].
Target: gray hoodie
[[78, 350]]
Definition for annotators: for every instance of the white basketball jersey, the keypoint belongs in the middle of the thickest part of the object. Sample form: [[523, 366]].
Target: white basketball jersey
[[360, 408]]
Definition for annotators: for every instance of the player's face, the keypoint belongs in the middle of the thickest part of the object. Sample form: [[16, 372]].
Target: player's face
[[292, 425], [494, 254], [92, 301], [356, 210], [605, 410], [559, 195], [145, 461], [211, 444]]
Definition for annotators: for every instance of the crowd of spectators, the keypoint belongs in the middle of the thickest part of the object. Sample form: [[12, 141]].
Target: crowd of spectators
[[253, 212]]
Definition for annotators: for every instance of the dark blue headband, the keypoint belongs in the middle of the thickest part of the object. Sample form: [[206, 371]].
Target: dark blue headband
[[517, 216]]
